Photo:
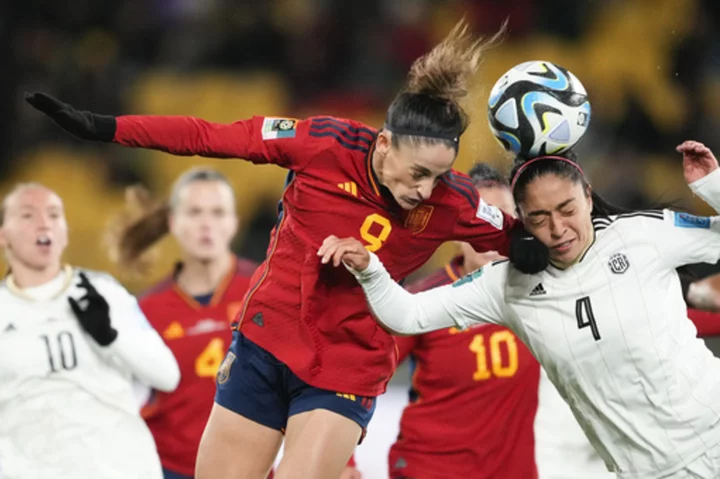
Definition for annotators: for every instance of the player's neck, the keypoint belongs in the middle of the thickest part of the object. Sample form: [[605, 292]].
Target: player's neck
[[24, 278], [202, 277]]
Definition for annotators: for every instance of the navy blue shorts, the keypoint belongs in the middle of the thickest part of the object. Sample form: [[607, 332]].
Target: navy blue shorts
[[255, 384], [168, 474]]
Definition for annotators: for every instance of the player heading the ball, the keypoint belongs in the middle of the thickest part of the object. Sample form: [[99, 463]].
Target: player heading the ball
[[307, 358]]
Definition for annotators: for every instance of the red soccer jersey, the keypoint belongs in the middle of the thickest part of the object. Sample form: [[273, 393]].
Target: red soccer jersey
[[198, 337], [707, 323], [473, 402], [314, 317]]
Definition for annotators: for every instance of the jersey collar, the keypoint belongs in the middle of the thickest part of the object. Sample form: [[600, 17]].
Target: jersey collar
[[217, 294], [66, 271], [373, 180], [381, 193]]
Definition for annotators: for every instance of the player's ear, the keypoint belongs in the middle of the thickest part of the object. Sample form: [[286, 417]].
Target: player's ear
[[171, 222], [384, 142], [3, 238]]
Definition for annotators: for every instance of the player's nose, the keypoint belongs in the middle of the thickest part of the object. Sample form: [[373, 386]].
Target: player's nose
[[425, 190]]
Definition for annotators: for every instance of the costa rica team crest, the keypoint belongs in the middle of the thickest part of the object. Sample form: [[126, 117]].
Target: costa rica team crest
[[618, 263], [224, 370]]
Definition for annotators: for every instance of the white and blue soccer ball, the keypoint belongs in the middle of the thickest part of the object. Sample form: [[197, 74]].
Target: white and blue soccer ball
[[538, 108]]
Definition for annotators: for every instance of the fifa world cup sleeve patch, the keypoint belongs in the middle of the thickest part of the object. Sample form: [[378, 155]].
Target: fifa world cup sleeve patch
[[685, 220], [468, 278], [276, 128], [491, 214]]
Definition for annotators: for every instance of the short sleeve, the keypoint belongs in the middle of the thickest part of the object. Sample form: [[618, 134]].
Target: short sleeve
[[683, 238], [484, 227]]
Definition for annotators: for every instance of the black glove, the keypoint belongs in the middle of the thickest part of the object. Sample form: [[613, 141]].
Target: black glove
[[83, 124], [95, 318], [527, 254]]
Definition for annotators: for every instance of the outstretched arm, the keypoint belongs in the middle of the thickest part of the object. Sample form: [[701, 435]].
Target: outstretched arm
[[461, 304], [682, 238], [281, 141]]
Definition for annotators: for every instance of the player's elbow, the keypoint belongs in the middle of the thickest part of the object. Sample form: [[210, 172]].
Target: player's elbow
[[172, 379], [167, 375]]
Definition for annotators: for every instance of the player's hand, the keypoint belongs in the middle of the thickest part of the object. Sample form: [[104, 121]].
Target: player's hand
[[95, 316], [82, 124], [350, 473], [698, 160], [348, 250], [705, 294]]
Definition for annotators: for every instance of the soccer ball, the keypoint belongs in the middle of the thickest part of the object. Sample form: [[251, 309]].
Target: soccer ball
[[538, 108]]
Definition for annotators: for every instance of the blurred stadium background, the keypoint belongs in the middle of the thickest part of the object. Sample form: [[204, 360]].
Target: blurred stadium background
[[651, 67]]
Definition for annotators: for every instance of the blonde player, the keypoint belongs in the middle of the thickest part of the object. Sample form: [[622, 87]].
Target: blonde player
[[606, 318], [72, 343]]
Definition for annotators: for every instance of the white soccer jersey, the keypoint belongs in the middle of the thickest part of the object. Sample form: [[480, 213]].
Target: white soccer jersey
[[562, 451], [67, 408], [611, 332]]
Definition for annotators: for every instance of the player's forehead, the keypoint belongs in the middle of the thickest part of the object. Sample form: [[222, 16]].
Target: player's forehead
[[550, 193], [206, 193], [435, 157], [32, 197]]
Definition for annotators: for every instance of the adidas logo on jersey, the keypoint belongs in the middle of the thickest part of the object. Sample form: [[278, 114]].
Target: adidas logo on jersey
[[538, 290], [349, 186], [10, 327]]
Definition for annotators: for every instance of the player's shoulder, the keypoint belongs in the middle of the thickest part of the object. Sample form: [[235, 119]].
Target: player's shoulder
[[495, 273], [101, 280], [5, 294], [341, 133], [105, 283], [158, 291], [643, 222], [459, 189]]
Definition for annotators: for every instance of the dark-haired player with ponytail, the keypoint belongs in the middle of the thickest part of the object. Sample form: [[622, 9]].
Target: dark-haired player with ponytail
[[604, 316], [307, 359]]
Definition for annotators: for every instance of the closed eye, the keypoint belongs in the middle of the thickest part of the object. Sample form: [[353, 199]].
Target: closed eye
[[537, 220]]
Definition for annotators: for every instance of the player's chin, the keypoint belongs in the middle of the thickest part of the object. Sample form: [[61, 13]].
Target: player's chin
[[407, 203], [205, 254]]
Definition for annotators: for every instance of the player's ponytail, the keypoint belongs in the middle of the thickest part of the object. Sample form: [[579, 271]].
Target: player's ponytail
[[428, 110], [145, 221], [134, 231]]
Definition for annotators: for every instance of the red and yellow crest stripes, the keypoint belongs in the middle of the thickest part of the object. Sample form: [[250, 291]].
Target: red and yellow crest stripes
[[418, 219]]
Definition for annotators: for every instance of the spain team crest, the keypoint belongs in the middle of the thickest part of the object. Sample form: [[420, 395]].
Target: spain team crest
[[224, 370], [418, 219]]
